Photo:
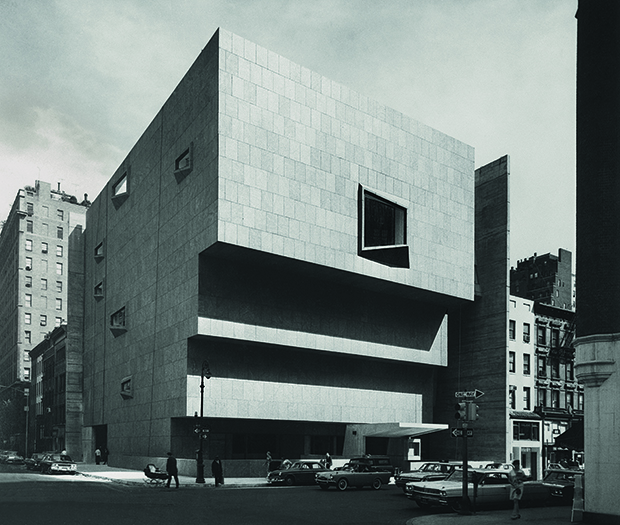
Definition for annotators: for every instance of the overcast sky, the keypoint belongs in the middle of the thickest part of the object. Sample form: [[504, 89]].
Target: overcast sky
[[82, 79]]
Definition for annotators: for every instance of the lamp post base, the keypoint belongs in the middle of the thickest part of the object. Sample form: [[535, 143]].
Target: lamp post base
[[200, 473]]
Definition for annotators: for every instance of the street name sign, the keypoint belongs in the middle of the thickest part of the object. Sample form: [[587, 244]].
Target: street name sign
[[458, 432], [469, 394]]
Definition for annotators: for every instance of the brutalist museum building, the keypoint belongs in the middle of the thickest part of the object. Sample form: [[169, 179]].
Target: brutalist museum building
[[292, 244]]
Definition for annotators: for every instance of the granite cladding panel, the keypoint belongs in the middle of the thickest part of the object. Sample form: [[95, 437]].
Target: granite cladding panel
[[294, 146]]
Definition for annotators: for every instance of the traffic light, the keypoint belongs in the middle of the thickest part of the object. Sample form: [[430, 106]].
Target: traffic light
[[461, 411], [472, 411]]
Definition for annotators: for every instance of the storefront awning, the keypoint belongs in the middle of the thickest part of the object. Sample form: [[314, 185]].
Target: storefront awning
[[395, 430], [572, 438]]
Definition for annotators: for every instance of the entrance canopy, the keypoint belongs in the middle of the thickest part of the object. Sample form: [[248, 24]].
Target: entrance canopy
[[394, 430]]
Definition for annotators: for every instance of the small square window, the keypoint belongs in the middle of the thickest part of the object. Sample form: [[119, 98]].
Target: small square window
[[43, 247], [59, 232], [59, 251]]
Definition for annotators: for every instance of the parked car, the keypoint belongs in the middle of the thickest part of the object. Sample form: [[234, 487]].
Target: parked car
[[58, 464], [561, 483], [299, 473], [4, 454], [354, 475], [375, 463], [13, 458], [493, 487], [432, 471], [34, 461]]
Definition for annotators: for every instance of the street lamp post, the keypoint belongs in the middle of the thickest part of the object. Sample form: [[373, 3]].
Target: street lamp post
[[200, 467]]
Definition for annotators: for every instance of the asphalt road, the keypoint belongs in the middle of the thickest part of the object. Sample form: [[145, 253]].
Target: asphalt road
[[30, 497]]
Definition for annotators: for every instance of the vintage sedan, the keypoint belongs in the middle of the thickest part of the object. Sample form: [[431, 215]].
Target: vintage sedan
[[58, 464], [299, 473], [492, 488], [353, 476], [34, 461], [432, 471], [561, 483], [13, 458]]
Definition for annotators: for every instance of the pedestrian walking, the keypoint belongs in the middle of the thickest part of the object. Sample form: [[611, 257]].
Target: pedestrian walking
[[328, 460], [171, 469], [97, 456], [268, 462], [104, 455], [516, 477], [217, 471]]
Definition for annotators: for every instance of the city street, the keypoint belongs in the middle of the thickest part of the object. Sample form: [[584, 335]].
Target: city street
[[27, 497]]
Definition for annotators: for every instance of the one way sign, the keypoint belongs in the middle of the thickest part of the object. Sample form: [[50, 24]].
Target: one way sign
[[458, 432]]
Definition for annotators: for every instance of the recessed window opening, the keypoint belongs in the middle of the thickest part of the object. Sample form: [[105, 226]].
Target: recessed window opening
[[384, 222], [184, 161], [121, 186], [117, 319]]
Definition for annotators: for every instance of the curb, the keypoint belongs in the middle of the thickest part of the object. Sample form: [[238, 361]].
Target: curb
[[141, 482]]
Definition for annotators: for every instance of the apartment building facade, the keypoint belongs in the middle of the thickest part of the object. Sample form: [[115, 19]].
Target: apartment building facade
[[301, 242], [34, 248]]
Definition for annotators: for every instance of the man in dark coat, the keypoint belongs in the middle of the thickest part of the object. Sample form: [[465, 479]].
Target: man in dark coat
[[217, 471], [171, 469]]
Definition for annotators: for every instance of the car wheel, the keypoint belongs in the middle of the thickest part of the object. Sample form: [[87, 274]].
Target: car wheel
[[376, 483], [290, 480], [324, 487], [342, 484], [455, 504]]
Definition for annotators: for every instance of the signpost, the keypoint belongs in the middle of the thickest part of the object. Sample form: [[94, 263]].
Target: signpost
[[466, 411]]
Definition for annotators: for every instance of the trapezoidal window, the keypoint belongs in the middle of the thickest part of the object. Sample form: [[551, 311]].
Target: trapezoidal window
[[184, 163], [120, 190], [118, 323], [382, 235]]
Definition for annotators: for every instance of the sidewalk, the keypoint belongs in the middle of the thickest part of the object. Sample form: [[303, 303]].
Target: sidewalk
[[131, 477], [556, 515]]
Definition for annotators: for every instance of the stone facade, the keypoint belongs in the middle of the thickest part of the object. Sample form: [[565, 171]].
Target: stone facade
[[303, 240]]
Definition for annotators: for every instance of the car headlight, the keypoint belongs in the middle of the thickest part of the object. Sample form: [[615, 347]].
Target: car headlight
[[442, 493], [54, 465], [73, 467]]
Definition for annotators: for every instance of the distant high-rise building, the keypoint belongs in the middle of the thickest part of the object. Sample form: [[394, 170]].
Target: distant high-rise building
[[545, 279], [34, 246]]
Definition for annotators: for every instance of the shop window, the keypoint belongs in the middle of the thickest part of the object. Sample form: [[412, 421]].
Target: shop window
[[526, 431]]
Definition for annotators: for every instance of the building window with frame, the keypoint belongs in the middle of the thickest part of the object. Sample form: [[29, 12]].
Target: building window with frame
[[555, 399], [28, 263], [99, 251], [59, 232], [512, 329], [525, 431], [43, 247], [59, 269], [183, 163], [555, 338], [58, 303], [555, 368], [120, 187], [60, 215], [527, 398], [526, 332], [512, 397], [526, 364], [382, 234], [58, 321], [26, 374], [28, 245], [512, 362], [28, 336], [542, 397], [59, 251], [580, 401], [118, 322], [43, 320], [43, 284], [570, 371], [27, 318], [28, 281], [29, 208], [98, 291], [28, 300], [29, 227], [541, 335], [542, 366], [126, 388], [570, 400], [59, 286]]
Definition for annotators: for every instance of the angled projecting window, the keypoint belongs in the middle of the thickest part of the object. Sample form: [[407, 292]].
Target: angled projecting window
[[184, 163], [126, 388], [120, 190], [382, 230], [118, 322], [99, 252], [98, 291]]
